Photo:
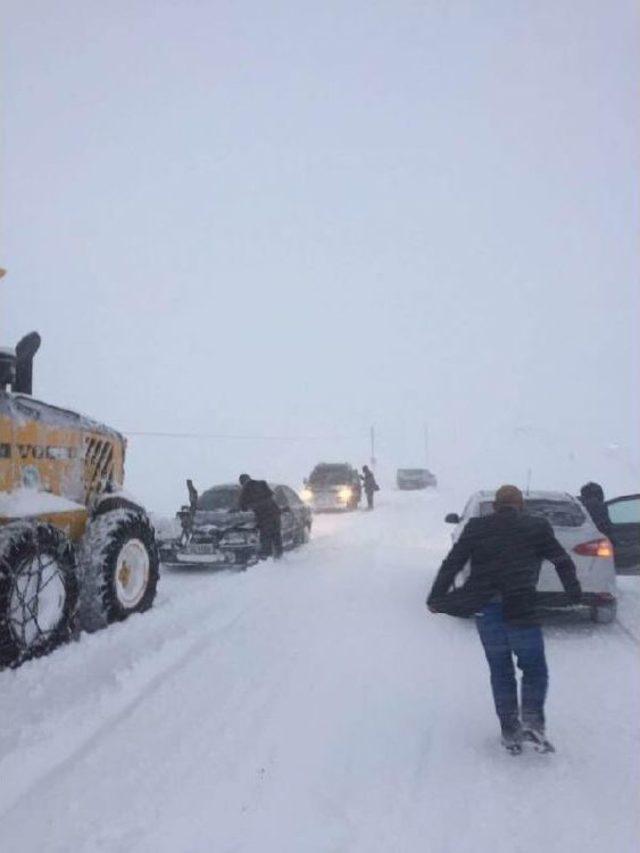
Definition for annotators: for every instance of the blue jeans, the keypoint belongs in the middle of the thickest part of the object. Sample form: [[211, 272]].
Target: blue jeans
[[501, 641]]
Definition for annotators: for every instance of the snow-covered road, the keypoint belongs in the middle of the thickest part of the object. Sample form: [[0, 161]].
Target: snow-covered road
[[313, 705]]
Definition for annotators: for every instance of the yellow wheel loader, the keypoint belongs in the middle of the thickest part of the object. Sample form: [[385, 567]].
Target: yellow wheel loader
[[75, 551]]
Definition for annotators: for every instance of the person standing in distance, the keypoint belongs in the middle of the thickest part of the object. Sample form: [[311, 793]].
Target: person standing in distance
[[369, 484], [506, 550], [256, 496]]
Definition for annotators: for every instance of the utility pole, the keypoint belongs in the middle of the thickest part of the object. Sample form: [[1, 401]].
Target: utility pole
[[372, 437], [528, 481]]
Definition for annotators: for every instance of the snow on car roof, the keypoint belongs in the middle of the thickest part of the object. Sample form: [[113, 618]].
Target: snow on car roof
[[237, 486], [321, 465], [537, 494], [223, 486]]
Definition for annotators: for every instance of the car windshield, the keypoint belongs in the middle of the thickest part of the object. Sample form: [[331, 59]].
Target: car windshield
[[558, 513], [219, 498], [412, 472], [330, 476]]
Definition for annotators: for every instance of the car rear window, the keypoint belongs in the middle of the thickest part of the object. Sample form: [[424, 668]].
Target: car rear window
[[557, 513]]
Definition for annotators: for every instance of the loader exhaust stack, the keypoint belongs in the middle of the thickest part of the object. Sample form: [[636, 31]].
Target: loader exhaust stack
[[25, 353]]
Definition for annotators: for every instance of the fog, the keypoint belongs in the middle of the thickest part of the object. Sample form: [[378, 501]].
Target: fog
[[272, 225]]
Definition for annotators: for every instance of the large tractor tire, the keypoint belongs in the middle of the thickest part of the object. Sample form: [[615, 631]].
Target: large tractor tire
[[119, 567], [38, 590]]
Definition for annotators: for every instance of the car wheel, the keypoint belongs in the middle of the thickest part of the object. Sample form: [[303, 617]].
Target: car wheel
[[604, 614], [303, 535]]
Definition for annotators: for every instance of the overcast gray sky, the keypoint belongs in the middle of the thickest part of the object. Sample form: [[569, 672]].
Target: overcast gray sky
[[301, 218]]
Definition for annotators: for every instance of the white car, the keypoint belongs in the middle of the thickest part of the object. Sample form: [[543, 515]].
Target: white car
[[591, 552]]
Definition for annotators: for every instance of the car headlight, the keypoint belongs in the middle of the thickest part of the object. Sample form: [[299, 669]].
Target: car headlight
[[345, 493], [306, 495]]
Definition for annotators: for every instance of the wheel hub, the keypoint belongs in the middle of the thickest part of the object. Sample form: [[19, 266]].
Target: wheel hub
[[132, 573], [124, 575]]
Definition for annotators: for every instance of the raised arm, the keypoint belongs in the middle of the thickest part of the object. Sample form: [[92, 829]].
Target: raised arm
[[242, 499]]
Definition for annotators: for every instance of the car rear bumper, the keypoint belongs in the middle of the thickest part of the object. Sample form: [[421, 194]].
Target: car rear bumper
[[631, 569], [561, 599], [595, 575]]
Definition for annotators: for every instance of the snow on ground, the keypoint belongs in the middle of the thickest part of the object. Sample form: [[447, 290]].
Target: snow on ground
[[314, 706]]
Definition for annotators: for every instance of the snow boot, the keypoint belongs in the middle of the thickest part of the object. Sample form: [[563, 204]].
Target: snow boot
[[536, 737], [511, 739]]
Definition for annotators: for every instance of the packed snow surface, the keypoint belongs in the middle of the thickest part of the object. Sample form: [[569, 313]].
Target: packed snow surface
[[312, 706]]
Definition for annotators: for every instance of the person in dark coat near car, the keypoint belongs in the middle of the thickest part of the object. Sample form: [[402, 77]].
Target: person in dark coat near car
[[506, 550], [256, 496], [592, 498], [369, 484]]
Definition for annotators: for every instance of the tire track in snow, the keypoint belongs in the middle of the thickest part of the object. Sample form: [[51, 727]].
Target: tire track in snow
[[628, 633], [92, 739]]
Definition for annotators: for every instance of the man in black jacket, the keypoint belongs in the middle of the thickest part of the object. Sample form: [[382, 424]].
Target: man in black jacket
[[592, 498], [256, 496], [506, 550]]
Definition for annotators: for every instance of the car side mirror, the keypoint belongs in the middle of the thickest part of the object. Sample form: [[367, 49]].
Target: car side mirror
[[452, 518]]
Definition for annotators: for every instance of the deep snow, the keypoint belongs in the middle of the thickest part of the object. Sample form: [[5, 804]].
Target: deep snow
[[314, 705]]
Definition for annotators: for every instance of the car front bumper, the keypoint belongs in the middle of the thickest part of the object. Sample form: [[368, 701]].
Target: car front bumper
[[331, 502], [180, 558]]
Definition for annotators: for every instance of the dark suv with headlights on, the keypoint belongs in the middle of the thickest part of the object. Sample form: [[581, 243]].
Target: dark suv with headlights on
[[214, 533], [332, 486]]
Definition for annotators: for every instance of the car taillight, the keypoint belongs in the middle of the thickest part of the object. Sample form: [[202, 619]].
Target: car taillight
[[595, 548]]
